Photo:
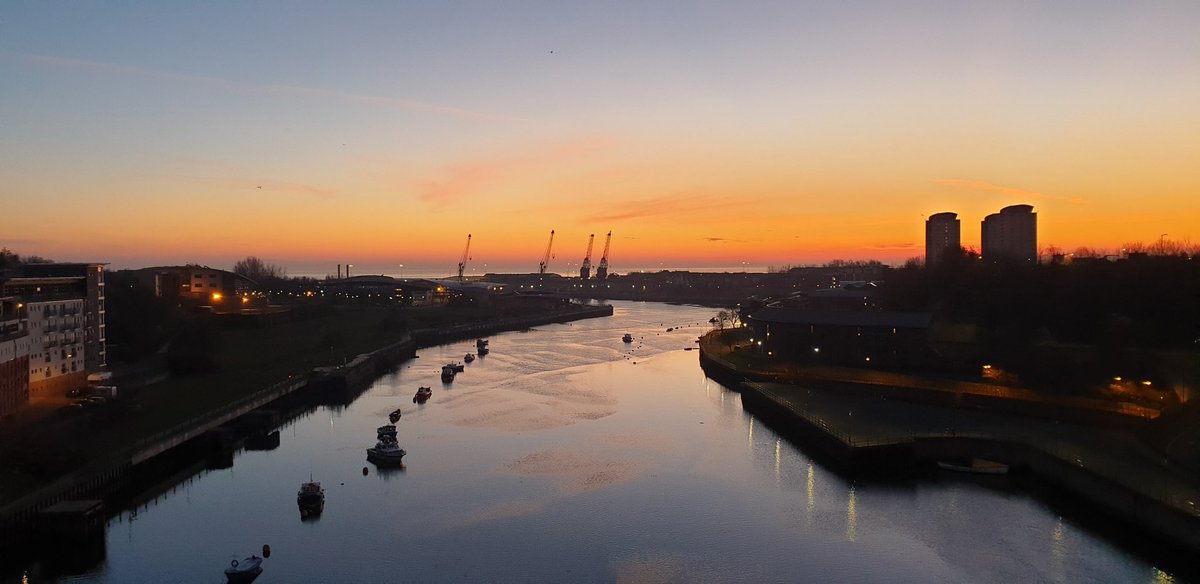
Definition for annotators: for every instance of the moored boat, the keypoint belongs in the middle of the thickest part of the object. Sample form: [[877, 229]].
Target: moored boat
[[468, 357], [974, 466], [386, 451], [481, 343], [311, 497], [448, 372], [628, 338], [394, 416], [423, 394], [244, 571]]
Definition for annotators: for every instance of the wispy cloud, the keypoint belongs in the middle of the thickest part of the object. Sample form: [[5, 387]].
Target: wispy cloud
[[473, 177], [986, 187], [666, 205], [377, 101], [891, 246]]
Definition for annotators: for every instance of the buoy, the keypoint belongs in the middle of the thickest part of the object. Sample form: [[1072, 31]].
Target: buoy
[[364, 471], [266, 551]]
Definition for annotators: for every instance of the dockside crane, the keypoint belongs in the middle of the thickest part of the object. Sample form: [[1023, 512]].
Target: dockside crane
[[546, 258], [602, 269], [586, 269], [462, 264]]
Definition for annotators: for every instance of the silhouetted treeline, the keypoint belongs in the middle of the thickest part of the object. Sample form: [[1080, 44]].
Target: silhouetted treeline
[[1148, 301]]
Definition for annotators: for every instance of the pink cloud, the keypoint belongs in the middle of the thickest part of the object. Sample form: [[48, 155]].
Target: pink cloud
[[472, 177]]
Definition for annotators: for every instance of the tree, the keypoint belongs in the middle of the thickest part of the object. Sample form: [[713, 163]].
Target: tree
[[255, 269]]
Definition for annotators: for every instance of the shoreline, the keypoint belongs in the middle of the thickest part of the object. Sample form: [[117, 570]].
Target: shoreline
[[102, 478], [879, 434]]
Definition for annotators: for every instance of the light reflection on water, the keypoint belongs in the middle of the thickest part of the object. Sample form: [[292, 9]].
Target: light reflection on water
[[567, 455]]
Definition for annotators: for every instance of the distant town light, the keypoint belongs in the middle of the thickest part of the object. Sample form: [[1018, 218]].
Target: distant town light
[[987, 366], [1117, 378], [216, 296], [1147, 382], [816, 349]]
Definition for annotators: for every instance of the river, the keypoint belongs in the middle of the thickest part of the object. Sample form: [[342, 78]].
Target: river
[[566, 455]]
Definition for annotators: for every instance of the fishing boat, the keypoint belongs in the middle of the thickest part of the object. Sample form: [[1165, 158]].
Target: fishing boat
[[481, 344], [386, 451], [423, 394], [395, 415], [468, 357], [628, 338], [455, 366], [448, 373], [310, 498], [386, 430]]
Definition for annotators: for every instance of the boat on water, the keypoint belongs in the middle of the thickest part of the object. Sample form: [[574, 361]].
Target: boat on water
[[244, 571], [448, 372], [386, 430], [468, 357], [628, 338], [481, 351], [455, 366], [386, 451], [394, 416], [423, 394], [310, 498], [481, 344], [974, 466]]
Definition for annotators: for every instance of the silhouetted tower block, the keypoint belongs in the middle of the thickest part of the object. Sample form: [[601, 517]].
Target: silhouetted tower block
[[942, 234], [1010, 235]]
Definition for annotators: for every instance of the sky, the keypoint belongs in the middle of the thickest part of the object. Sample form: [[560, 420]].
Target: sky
[[700, 133]]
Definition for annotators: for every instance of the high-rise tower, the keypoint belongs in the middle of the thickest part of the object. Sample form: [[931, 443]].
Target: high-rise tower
[[1010, 235], [942, 233]]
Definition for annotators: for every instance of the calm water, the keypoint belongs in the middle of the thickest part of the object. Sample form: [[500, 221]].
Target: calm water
[[568, 456]]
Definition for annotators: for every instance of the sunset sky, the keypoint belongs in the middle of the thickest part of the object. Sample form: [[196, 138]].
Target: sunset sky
[[700, 133]]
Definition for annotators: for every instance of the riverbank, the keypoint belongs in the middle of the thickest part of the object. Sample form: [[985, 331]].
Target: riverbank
[[128, 441], [879, 433]]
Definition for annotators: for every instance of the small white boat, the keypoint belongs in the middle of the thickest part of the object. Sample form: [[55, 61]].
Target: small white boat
[[468, 357], [244, 571]]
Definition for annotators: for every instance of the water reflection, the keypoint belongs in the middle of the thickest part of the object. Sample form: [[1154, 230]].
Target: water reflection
[[557, 459]]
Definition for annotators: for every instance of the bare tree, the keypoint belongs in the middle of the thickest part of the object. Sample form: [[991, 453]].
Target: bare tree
[[254, 268]]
